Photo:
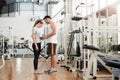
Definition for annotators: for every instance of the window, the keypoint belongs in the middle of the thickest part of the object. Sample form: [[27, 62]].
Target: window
[[28, 0], [20, 0], [24, 0]]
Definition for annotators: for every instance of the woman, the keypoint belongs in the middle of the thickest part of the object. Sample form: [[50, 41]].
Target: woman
[[36, 34]]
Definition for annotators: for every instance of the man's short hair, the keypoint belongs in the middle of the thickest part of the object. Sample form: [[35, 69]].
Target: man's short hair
[[46, 17]]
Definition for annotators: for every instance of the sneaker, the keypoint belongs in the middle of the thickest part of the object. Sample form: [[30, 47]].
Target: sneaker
[[52, 71], [47, 70]]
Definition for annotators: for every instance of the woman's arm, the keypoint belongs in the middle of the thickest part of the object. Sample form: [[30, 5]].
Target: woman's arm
[[34, 41]]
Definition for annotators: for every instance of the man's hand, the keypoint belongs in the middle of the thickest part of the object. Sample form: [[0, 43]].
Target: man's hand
[[43, 38]]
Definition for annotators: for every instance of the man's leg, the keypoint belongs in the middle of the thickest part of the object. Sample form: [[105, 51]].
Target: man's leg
[[53, 58], [53, 62]]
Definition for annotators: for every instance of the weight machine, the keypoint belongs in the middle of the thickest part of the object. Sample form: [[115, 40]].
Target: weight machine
[[72, 56], [107, 62], [2, 49]]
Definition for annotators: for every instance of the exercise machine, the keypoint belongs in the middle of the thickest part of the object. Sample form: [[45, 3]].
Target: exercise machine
[[60, 54], [96, 55], [3, 55], [72, 56]]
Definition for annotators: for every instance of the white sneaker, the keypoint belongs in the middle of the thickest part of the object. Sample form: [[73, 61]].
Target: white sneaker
[[47, 70], [52, 71]]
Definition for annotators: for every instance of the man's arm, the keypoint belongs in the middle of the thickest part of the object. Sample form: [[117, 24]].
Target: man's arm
[[53, 27]]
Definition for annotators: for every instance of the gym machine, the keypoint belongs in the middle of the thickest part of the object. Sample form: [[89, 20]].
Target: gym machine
[[71, 56], [96, 55], [2, 49], [60, 56]]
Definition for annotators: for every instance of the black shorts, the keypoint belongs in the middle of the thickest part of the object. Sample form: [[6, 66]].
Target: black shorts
[[51, 48]]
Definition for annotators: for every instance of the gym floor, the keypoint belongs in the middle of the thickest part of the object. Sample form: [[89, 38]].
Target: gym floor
[[22, 69]]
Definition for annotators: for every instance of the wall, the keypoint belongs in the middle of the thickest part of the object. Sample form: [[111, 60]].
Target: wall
[[118, 9], [22, 18], [22, 25]]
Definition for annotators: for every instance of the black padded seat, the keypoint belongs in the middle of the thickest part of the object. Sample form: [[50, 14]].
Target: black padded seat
[[91, 47], [79, 18], [74, 55], [115, 48], [111, 63]]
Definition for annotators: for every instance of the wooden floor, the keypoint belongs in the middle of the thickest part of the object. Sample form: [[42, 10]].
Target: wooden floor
[[22, 69]]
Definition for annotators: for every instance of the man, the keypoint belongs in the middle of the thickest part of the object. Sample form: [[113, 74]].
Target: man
[[51, 39]]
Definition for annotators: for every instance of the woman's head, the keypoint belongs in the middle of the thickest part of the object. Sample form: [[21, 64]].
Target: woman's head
[[38, 23]]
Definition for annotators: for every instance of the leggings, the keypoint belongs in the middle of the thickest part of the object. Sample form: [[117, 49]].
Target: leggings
[[36, 55]]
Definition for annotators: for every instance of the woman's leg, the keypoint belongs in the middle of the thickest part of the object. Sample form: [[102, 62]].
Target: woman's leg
[[36, 56]]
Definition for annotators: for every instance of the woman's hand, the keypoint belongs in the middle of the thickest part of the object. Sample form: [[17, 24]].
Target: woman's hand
[[36, 48]]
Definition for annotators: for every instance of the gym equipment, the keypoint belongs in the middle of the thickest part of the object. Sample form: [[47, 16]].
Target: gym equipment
[[104, 61], [71, 40], [115, 47], [3, 60], [72, 58], [115, 64], [60, 56], [2, 53], [42, 52], [92, 39], [90, 47], [76, 58], [93, 64], [78, 18]]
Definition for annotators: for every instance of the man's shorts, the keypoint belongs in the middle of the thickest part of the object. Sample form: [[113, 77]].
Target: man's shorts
[[51, 48]]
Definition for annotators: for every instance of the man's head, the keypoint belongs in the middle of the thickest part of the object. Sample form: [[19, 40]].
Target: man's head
[[47, 19]]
